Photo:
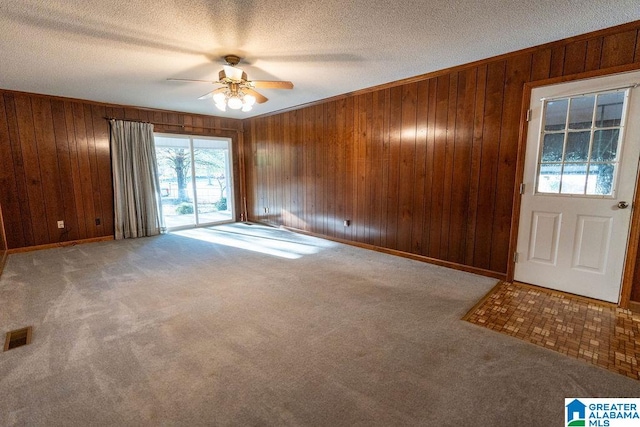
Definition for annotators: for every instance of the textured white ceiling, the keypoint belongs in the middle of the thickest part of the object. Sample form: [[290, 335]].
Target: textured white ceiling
[[122, 51]]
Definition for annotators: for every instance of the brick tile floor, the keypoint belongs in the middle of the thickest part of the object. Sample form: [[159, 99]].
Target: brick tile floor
[[600, 334]]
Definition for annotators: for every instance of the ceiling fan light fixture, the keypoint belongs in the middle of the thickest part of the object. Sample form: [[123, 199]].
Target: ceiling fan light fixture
[[233, 73], [219, 98], [234, 102], [237, 91], [249, 100]]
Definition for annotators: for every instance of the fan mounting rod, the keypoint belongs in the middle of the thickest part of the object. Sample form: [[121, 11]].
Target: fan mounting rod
[[232, 60]]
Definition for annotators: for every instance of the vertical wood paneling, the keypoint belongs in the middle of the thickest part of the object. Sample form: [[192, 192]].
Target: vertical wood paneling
[[557, 61], [430, 178], [492, 122], [541, 64], [63, 154], [48, 160], [407, 166], [3, 240], [462, 165], [9, 175], [594, 53], [449, 184], [420, 170], [316, 144], [517, 73], [288, 196], [575, 57], [428, 167], [84, 164], [370, 232], [385, 160], [361, 166], [338, 167], [57, 165], [105, 178], [476, 162], [33, 175], [618, 49], [441, 104], [395, 130]]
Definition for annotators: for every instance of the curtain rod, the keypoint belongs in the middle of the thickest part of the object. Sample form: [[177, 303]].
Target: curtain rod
[[175, 124]]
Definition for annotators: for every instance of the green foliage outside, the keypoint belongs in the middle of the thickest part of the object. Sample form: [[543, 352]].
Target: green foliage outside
[[184, 208], [221, 204]]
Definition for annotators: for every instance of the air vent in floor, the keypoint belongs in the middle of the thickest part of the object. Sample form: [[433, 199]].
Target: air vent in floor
[[18, 338]]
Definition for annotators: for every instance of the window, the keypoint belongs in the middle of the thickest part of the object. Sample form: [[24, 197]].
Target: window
[[580, 144], [195, 180]]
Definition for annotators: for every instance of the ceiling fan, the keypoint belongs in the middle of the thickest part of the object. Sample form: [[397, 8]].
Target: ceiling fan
[[237, 91]]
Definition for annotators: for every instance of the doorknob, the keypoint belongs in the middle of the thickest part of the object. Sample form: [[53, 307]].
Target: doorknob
[[623, 205]]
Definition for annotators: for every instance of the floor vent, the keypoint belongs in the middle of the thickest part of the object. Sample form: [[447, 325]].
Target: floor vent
[[18, 338]]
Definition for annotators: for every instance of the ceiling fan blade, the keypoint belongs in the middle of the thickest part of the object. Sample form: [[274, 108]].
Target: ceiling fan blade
[[259, 97], [193, 80], [209, 95], [270, 84]]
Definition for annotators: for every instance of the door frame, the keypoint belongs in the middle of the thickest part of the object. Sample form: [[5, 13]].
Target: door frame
[[231, 170], [634, 229]]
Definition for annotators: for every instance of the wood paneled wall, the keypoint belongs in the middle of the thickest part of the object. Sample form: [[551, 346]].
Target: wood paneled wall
[[3, 243], [425, 166], [56, 163]]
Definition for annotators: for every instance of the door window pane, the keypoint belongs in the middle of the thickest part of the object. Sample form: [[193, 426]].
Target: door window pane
[[577, 147], [549, 178], [552, 147], [605, 145], [556, 115], [600, 181], [573, 178], [609, 109], [581, 158], [581, 112]]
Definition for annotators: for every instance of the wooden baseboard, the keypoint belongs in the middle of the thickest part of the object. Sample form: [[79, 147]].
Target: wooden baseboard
[[59, 245], [453, 265], [3, 260], [634, 306]]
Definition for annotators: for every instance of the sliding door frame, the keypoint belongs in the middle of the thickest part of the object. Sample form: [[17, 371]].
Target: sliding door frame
[[229, 172]]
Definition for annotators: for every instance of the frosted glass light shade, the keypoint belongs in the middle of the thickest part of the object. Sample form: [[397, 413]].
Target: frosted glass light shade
[[218, 98], [233, 73], [249, 100], [234, 103]]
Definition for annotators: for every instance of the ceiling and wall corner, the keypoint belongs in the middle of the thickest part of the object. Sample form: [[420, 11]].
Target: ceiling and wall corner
[[123, 52]]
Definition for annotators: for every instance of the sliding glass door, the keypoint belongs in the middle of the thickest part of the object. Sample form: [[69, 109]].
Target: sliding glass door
[[195, 180]]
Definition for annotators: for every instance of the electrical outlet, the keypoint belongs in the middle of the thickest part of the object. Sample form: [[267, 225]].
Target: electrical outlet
[[266, 210], [347, 222], [61, 224], [97, 221]]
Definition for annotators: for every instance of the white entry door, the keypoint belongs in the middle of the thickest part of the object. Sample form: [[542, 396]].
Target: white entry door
[[580, 172]]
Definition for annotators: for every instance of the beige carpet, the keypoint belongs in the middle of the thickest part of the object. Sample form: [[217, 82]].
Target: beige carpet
[[246, 325]]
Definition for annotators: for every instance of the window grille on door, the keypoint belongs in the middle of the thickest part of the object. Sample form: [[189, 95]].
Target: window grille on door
[[580, 144]]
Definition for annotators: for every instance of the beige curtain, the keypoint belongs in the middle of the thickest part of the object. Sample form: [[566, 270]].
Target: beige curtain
[[136, 188]]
